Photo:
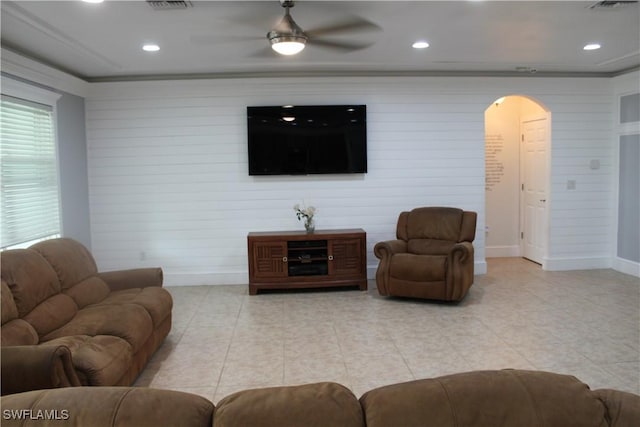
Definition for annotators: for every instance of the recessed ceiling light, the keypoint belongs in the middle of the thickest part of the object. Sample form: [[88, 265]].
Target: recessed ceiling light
[[420, 44], [592, 46], [151, 48], [93, 1]]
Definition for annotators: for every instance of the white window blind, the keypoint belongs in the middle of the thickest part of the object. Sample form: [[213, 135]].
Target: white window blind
[[28, 172]]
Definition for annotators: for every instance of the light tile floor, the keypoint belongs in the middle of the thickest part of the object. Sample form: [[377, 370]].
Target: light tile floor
[[584, 323]]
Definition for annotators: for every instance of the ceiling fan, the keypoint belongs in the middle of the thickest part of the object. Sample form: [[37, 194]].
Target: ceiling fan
[[287, 38]]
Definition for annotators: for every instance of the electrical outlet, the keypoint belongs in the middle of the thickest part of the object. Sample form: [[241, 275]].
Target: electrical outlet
[[571, 184], [143, 255]]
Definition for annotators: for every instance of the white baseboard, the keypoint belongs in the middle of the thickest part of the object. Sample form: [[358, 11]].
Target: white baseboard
[[502, 251], [625, 266], [242, 277], [480, 267], [200, 279], [565, 264]]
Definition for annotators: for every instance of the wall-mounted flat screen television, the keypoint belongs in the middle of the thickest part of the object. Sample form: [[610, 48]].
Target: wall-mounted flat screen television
[[301, 140]]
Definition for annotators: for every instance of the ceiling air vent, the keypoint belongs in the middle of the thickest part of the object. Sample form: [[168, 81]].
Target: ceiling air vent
[[169, 5], [611, 4]]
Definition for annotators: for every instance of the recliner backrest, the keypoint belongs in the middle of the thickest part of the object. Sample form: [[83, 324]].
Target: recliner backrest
[[439, 223]]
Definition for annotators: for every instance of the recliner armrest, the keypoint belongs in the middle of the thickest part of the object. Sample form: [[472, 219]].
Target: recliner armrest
[[389, 247], [33, 367], [133, 278], [462, 251]]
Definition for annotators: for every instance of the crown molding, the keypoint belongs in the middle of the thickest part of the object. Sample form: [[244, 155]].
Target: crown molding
[[347, 73], [22, 90], [21, 67]]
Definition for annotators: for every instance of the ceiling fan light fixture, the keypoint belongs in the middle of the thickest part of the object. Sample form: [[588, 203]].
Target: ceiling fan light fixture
[[287, 38], [288, 45]]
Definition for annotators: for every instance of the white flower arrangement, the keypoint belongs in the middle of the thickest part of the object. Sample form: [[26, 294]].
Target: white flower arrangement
[[306, 212]]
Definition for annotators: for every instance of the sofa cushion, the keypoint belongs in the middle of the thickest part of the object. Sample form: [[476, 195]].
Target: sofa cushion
[[418, 268], [130, 322], [156, 301], [486, 398], [71, 261], [321, 404], [51, 314], [29, 277], [439, 223], [8, 310], [99, 360], [18, 332], [623, 408], [88, 291], [430, 246]]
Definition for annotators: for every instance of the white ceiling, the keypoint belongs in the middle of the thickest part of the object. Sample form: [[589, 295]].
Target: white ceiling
[[103, 41]]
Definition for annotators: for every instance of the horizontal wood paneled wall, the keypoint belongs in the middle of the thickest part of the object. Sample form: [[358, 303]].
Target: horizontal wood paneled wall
[[168, 166]]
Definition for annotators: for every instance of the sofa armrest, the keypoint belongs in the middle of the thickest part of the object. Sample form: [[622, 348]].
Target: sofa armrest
[[134, 278], [33, 367], [623, 409], [389, 247]]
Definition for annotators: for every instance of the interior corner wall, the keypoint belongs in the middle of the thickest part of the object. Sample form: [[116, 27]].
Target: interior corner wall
[[169, 186], [627, 153], [628, 247], [72, 156]]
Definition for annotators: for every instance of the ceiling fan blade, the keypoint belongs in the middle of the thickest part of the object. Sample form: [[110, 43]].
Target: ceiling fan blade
[[354, 24], [210, 39], [337, 45]]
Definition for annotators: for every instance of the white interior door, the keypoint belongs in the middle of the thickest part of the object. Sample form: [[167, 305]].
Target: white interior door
[[534, 173]]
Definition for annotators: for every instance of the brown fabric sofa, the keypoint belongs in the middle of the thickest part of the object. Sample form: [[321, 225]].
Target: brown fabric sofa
[[65, 324], [509, 398], [106, 407], [431, 257]]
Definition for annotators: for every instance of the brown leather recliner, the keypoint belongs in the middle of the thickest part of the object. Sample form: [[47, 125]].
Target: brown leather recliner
[[432, 257]]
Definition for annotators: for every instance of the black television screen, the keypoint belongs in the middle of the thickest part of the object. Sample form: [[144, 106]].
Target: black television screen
[[300, 140]]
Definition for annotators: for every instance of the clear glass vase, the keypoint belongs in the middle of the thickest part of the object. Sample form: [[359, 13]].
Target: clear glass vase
[[309, 225]]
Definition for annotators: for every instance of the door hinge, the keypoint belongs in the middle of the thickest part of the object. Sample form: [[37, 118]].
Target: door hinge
[[522, 235], [522, 137], [522, 186]]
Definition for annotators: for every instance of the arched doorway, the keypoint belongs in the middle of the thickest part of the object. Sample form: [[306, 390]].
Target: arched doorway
[[517, 153]]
